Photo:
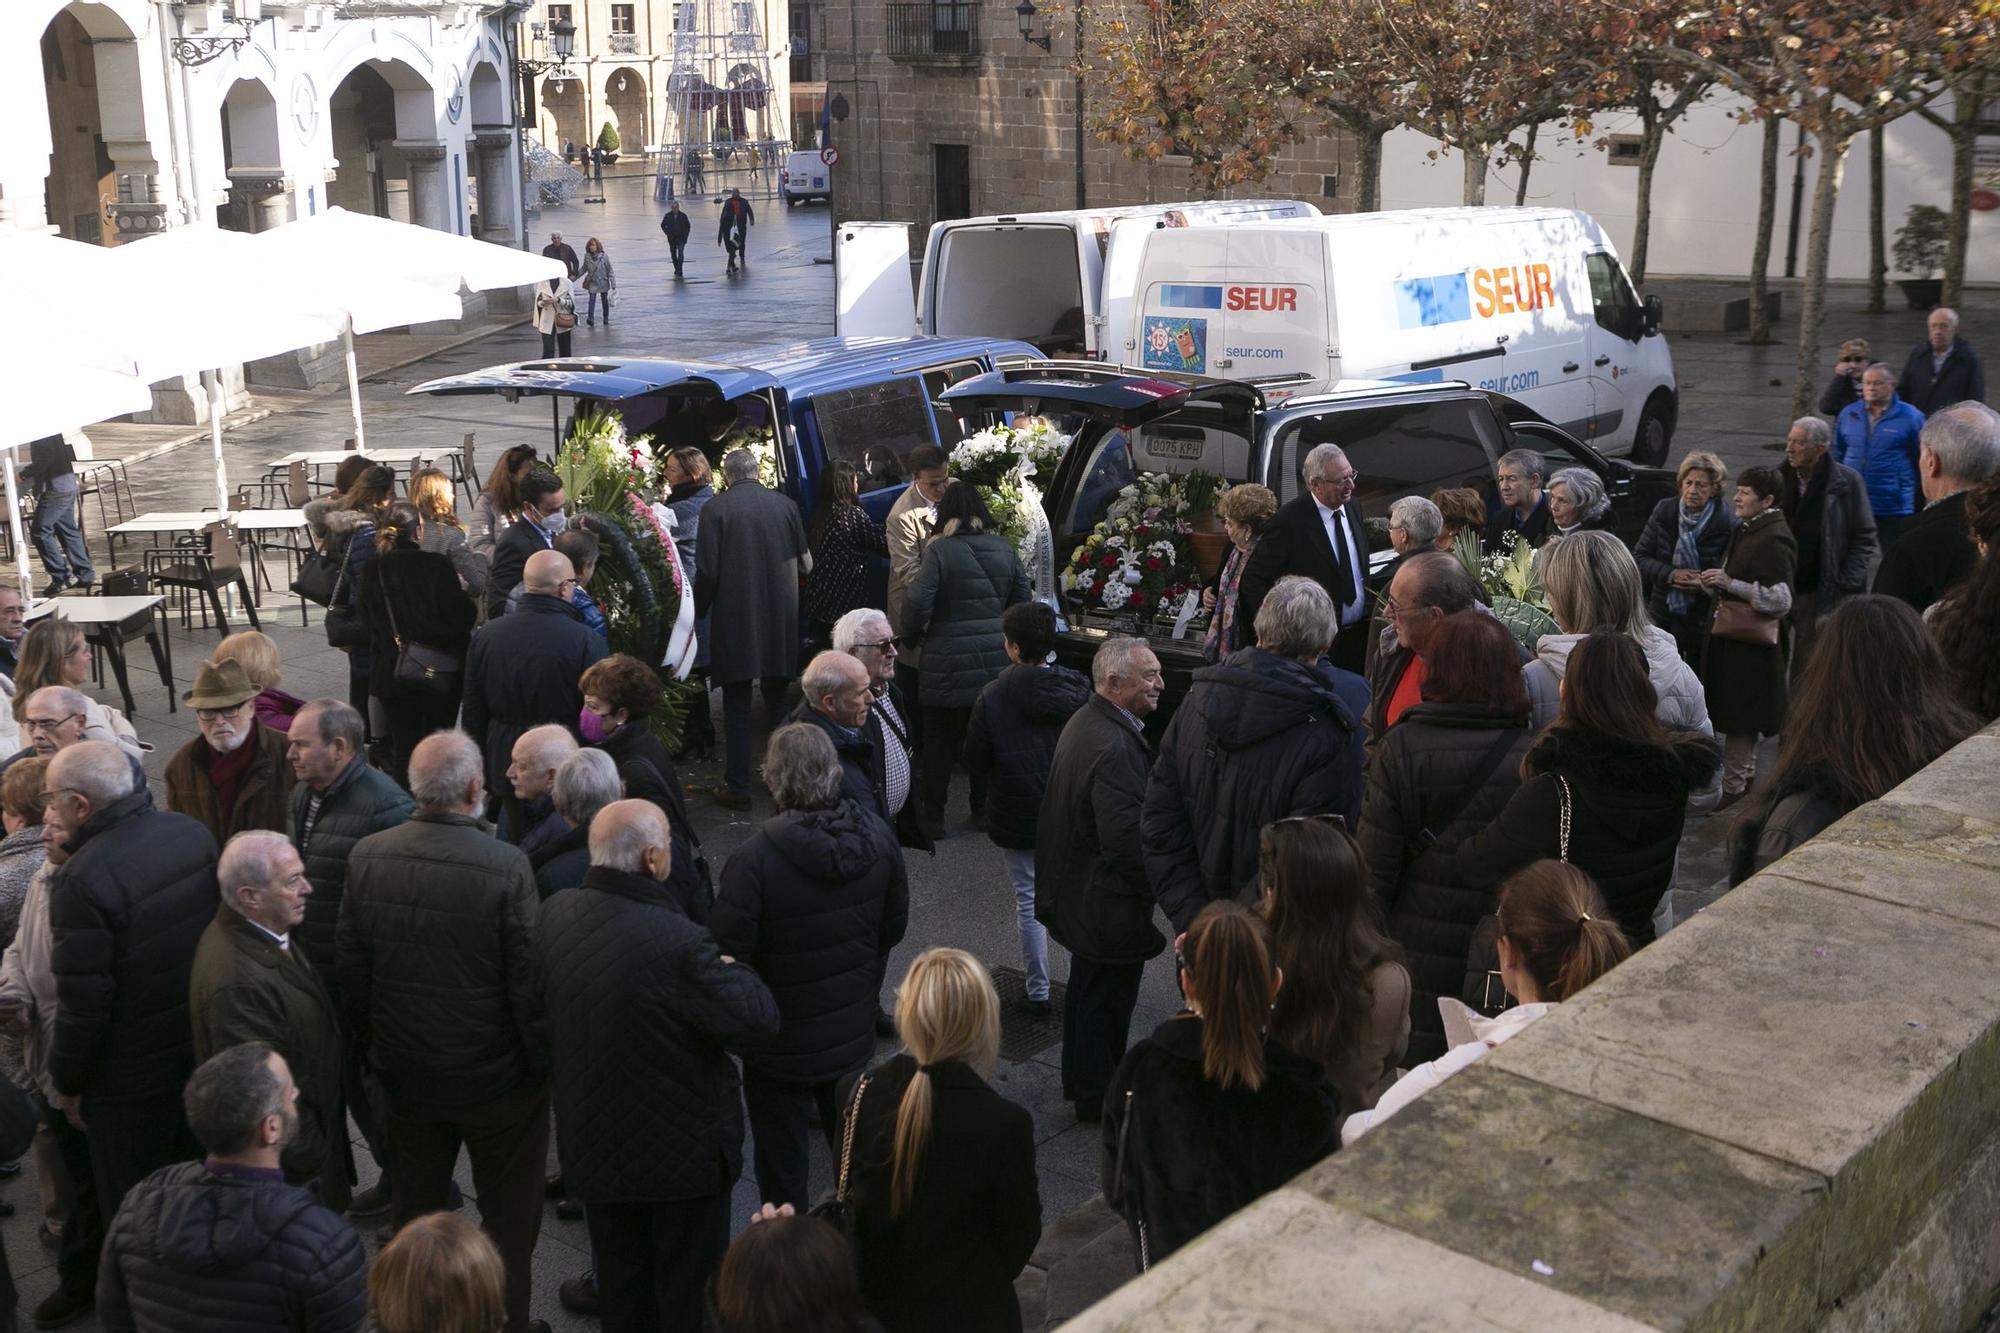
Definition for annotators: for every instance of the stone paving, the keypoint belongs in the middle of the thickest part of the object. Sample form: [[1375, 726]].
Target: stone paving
[[1734, 401]]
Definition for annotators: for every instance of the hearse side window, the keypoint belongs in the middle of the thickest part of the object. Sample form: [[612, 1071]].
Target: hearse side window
[[936, 380], [1613, 303], [1397, 449], [874, 427]]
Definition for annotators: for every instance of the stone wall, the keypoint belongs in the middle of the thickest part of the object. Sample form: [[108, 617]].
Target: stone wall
[[1783, 1115]]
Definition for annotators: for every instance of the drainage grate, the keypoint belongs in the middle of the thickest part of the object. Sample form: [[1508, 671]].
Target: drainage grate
[[1022, 1035]]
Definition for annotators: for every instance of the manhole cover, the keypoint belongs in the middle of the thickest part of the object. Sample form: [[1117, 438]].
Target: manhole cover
[[1022, 1035]]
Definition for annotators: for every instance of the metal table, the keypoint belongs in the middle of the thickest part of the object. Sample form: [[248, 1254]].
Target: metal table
[[112, 622]]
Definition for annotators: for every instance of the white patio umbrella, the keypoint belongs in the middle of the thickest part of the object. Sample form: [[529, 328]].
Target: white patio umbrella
[[363, 245]]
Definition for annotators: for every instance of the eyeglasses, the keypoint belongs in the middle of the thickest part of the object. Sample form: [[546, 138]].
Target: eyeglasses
[[213, 714], [49, 796], [48, 723], [888, 645], [1342, 481], [566, 585]]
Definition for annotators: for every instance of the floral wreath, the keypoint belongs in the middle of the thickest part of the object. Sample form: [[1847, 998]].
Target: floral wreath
[[1139, 559]]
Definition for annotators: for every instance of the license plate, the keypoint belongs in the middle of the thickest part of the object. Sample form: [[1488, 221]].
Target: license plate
[[1157, 447]]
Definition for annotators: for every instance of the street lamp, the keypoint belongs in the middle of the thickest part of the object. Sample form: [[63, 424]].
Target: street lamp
[[559, 40], [1025, 12]]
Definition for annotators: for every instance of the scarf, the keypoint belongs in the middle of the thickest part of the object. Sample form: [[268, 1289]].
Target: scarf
[[1687, 554], [1222, 636]]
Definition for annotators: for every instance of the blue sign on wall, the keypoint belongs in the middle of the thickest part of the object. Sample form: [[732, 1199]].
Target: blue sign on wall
[[1175, 342]]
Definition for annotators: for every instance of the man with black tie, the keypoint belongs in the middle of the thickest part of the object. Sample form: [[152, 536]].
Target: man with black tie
[[1318, 535]]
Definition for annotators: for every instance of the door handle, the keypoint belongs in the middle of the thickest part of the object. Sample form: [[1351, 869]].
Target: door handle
[[1602, 361], [1569, 367]]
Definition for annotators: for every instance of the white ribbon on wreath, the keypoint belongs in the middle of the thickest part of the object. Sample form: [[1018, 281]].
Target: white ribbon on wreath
[[682, 643], [1038, 546]]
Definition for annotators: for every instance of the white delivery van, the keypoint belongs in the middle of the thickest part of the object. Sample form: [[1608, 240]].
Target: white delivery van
[[804, 176], [1039, 277], [1530, 302]]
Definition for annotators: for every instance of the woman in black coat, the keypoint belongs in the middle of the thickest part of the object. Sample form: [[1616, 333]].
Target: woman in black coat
[[1183, 1147], [1441, 774], [842, 537], [813, 901], [1746, 683], [1622, 778], [619, 695], [409, 596], [1685, 535], [943, 1170]]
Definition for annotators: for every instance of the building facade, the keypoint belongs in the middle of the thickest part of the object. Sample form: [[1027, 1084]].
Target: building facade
[[127, 117]]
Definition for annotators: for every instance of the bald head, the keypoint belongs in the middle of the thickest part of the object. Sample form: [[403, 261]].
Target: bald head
[[55, 717], [836, 686], [536, 757], [632, 836], [546, 572], [447, 774]]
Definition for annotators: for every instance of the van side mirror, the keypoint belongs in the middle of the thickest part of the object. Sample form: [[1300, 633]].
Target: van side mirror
[[1655, 314]]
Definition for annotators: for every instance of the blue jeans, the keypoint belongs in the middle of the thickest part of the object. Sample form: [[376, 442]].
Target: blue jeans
[[592, 312], [59, 540], [1034, 938]]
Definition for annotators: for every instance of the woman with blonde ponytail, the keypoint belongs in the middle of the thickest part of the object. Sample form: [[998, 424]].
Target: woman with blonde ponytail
[[1557, 936], [1210, 1112], [943, 1176]]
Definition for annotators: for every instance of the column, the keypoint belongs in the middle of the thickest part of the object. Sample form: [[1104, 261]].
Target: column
[[430, 195], [269, 194], [498, 194]]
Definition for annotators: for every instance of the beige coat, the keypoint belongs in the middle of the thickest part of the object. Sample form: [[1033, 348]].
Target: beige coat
[[27, 973], [911, 523]]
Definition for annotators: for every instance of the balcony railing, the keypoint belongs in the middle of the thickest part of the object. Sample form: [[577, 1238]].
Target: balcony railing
[[624, 43], [939, 33]]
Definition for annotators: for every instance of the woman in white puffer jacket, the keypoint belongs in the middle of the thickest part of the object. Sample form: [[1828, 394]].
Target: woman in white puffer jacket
[[1556, 937]]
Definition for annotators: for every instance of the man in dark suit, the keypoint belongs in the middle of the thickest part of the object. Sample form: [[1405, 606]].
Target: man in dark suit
[[1524, 504], [1318, 535], [542, 501], [1958, 450], [1943, 369]]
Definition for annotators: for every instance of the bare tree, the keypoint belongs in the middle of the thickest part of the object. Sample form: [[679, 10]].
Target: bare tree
[[1970, 88]]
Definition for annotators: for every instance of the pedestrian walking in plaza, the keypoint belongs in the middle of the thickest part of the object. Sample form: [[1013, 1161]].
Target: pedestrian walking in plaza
[[233, 776], [930, 1133], [598, 279], [1555, 935], [498, 504], [1882, 707], [749, 555], [50, 477], [1211, 1112], [1746, 680], [1877, 437], [1346, 998], [814, 901], [439, 1275], [1943, 369], [225, 1244], [257, 653], [419, 618], [1441, 774], [128, 908], [1011, 740], [676, 225], [1091, 890], [842, 537], [555, 316], [1966, 621], [339, 800], [557, 248], [250, 984], [1826, 507], [1319, 536], [1959, 448], [1845, 385], [438, 979], [537, 523], [968, 577], [444, 534], [1266, 732], [651, 1127], [1685, 534], [1605, 788], [733, 233]]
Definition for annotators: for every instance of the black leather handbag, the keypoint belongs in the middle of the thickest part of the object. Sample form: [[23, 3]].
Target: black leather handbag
[[421, 666], [319, 578], [344, 626]]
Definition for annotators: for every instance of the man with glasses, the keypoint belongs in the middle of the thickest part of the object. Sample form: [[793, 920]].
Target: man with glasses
[[864, 635], [233, 777], [1427, 587], [1524, 505], [54, 719], [1318, 536]]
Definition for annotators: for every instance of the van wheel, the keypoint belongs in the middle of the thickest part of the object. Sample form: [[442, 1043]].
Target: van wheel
[[1655, 431]]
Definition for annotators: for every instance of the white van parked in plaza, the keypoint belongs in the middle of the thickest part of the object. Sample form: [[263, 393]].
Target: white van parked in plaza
[[1042, 277], [1530, 302]]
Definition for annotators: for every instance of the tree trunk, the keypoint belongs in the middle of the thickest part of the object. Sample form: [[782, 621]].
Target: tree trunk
[[1527, 162], [1964, 136], [1368, 191], [1767, 222], [1475, 174], [1812, 305], [1652, 139], [1878, 261]]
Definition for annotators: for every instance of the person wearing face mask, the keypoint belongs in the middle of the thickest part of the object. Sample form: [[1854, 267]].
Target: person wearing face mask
[[542, 520], [619, 695], [233, 776]]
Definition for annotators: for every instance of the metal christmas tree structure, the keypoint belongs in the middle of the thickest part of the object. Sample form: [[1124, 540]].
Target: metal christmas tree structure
[[724, 122]]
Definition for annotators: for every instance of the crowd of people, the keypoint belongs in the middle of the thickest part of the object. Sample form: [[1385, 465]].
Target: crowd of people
[[467, 908]]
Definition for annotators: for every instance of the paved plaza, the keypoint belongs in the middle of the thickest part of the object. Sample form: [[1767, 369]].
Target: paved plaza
[[1735, 400]]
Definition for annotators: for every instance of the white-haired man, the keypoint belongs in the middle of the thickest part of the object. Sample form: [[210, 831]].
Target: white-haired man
[[1943, 369], [1318, 536], [1959, 448], [864, 634], [535, 759]]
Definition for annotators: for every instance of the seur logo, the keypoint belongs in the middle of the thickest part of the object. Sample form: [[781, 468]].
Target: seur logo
[[1448, 298]]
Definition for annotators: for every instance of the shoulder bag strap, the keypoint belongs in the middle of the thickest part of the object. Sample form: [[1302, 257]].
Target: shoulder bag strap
[[389, 605], [675, 795], [1562, 828], [847, 1138], [1489, 763]]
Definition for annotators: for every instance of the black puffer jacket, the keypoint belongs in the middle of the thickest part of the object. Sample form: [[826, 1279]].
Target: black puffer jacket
[[1183, 1154], [561, 864], [648, 774], [1091, 889], [361, 801], [522, 672], [1628, 802], [1439, 775], [437, 962], [644, 1013], [815, 901], [859, 762], [965, 581], [1259, 737], [1015, 727], [128, 910], [198, 1249]]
